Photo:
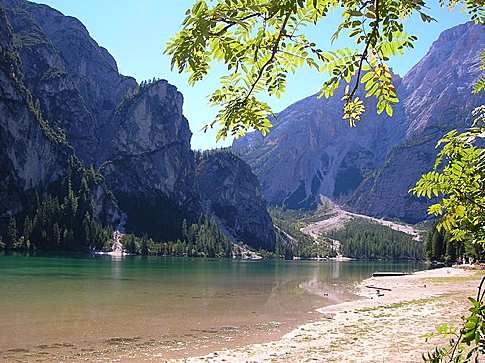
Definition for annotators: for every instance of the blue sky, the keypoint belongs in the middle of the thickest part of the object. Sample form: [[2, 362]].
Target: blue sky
[[135, 32]]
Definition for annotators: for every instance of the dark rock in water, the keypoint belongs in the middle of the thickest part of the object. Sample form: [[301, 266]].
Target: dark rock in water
[[230, 191], [311, 151]]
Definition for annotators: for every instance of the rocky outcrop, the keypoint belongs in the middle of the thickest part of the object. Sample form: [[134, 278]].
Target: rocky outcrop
[[30, 156], [66, 98], [230, 191], [75, 81], [139, 137], [311, 151], [439, 100], [151, 145], [151, 169]]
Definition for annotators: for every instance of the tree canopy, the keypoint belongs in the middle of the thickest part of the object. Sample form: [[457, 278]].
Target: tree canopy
[[261, 41], [458, 180]]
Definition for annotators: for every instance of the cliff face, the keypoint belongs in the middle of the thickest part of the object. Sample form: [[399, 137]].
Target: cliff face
[[439, 100], [230, 191], [151, 168], [75, 81], [140, 135], [28, 157], [136, 135], [312, 151], [151, 144]]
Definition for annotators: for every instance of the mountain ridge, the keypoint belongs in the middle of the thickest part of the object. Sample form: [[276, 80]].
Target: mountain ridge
[[135, 135], [311, 151]]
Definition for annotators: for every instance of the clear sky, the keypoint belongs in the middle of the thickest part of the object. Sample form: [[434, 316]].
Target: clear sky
[[136, 31]]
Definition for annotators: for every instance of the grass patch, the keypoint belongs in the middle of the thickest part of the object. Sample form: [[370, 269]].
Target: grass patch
[[455, 279], [415, 302]]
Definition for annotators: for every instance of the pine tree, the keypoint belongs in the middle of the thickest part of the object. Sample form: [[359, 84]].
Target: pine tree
[[451, 249], [437, 245], [429, 246], [27, 228], [56, 235], [11, 237], [144, 250], [185, 232]]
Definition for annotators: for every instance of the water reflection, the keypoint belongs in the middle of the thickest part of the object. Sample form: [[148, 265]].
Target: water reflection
[[45, 300]]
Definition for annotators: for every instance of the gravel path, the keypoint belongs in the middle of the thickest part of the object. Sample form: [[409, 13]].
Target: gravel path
[[337, 217]]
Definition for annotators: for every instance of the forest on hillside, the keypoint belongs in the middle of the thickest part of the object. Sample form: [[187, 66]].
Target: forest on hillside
[[369, 240]]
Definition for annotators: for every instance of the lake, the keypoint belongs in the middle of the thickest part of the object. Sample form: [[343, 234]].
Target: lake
[[66, 308]]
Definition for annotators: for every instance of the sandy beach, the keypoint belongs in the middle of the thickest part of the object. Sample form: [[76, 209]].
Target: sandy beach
[[387, 328]]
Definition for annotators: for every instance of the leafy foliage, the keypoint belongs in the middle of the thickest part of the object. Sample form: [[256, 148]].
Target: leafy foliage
[[261, 41], [458, 180], [458, 184], [466, 344]]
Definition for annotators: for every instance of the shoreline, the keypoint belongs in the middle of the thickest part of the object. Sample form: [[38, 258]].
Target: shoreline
[[344, 330], [372, 328]]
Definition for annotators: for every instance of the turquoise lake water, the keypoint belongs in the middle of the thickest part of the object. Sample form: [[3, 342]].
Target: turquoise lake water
[[75, 307]]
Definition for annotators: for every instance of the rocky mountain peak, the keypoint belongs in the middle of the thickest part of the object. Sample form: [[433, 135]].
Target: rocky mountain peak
[[144, 120], [311, 151], [58, 84], [446, 73]]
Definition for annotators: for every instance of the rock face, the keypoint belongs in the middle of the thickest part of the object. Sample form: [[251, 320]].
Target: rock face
[[77, 86], [139, 134], [135, 134], [150, 147], [230, 191], [75, 80], [28, 157], [311, 151], [439, 100]]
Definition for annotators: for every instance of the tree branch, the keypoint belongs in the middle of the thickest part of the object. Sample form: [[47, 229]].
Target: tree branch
[[271, 59], [232, 23], [375, 32]]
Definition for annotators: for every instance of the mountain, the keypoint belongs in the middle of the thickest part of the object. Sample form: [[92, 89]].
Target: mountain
[[311, 151], [231, 192], [29, 156], [62, 97], [439, 100]]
